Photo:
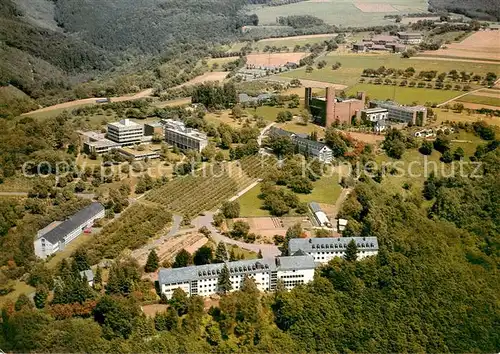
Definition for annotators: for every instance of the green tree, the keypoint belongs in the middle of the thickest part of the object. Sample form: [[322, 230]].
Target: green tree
[[351, 252], [219, 219], [116, 314], [335, 142], [98, 278], [224, 281], [240, 229], [179, 301], [203, 255], [294, 231], [231, 210], [426, 148], [22, 302], [41, 295], [182, 259], [152, 262], [259, 255], [458, 154], [221, 254]]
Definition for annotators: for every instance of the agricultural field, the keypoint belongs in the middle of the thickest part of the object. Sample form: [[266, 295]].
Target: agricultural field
[[291, 42], [480, 45], [274, 59], [353, 65], [193, 194], [481, 99], [404, 95], [444, 115], [209, 76], [134, 228], [342, 12]]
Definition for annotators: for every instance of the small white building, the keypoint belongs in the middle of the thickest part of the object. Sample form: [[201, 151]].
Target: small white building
[[325, 249], [58, 234], [125, 132], [320, 215], [381, 126], [374, 114], [203, 280], [89, 276], [410, 37]]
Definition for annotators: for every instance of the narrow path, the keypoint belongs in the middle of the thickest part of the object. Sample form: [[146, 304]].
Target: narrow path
[[460, 96], [268, 251], [245, 190], [340, 200]]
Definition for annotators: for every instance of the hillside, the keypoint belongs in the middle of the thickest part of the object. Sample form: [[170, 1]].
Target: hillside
[[479, 9]]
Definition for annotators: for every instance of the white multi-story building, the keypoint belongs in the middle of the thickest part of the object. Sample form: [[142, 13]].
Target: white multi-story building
[[374, 114], [177, 134], [125, 132], [325, 249], [203, 280], [57, 235], [417, 115]]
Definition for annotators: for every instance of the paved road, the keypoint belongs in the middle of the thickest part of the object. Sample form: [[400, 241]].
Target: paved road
[[245, 190], [268, 251], [263, 132], [175, 226]]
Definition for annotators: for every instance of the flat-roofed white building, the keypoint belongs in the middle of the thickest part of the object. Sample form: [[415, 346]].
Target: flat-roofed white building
[[177, 134], [325, 249], [125, 132], [320, 215], [410, 37], [417, 115], [100, 146], [58, 234], [203, 280], [374, 114]]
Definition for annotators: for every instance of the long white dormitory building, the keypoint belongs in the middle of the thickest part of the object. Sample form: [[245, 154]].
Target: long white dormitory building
[[293, 270]]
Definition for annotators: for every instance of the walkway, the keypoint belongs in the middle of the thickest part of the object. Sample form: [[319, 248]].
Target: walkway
[[268, 251], [460, 96]]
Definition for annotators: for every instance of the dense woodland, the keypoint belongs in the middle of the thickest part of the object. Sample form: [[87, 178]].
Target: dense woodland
[[478, 9]]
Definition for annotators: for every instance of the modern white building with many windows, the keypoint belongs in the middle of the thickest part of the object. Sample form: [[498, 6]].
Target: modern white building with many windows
[[325, 249], [58, 234], [125, 132], [203, 280], [177, 134]]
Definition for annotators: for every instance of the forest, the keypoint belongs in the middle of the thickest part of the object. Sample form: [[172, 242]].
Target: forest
[[477, 9]]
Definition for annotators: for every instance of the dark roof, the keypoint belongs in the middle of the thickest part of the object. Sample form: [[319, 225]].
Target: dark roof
[[280, 132], [297, 137], [59, 232]]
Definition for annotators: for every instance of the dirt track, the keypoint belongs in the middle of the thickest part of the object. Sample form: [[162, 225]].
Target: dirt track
[[142, 94], [455, 59], [326, 35], [211, 76], [274, 59]]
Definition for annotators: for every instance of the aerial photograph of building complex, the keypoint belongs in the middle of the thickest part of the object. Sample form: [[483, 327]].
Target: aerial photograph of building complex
[[243, 176]]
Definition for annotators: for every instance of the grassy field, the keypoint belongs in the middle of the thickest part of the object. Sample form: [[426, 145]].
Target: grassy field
[[20, 287], [326, 190], [444, 115], [404, 95], [490, 101], [338, 12], [291, 42], [250, 203], [418, 167], [353, 65], [302, 129], [269, 113]]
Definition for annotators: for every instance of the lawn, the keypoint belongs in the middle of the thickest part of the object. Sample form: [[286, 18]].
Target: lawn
[[326, 190], [415, 167], [404, 95], [269, 113], [238, 251], [353, 65], [250, 203], [20, 287], [338, 12], [490, 101], [302, 129]]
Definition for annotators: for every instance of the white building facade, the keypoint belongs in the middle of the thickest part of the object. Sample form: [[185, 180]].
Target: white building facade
[[57, 235], [374, 114], [125, 132], [177, 134], [203, 280], [325, 249]]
